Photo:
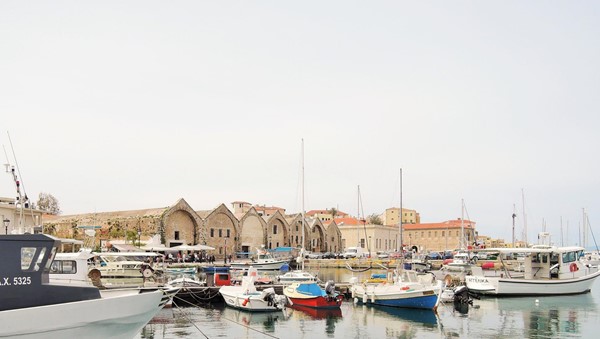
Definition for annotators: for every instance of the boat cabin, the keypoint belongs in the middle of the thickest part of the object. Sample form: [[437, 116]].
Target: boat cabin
[[24, 273]]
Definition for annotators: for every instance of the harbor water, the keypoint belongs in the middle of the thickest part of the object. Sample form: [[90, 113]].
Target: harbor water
[[575, 316]]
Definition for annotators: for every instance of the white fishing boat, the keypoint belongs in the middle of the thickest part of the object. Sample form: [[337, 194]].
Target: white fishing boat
[[409, 289], [263, 261], [128, 264], [546, 271], [32, 306], [247, 297], [296, 276]]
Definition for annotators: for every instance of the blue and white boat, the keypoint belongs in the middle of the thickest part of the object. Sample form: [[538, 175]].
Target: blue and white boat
[[410, 289]]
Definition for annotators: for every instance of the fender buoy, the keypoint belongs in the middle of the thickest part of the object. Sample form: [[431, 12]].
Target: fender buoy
[[573, 267], [147, 273], [245, 302]]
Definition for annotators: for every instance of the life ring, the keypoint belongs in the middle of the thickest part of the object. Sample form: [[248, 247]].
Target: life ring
[[147, 273], [573, 267]]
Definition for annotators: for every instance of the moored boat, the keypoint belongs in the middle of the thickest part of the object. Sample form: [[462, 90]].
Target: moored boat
[[407, 290], [546, 271], [247, 297], [32, 306], [310, 294], [264, 261]]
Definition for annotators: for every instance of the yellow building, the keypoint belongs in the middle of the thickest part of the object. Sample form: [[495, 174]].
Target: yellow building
[[390, 217], [447, 235]]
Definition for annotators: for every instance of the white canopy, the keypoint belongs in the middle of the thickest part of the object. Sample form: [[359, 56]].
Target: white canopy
[[191, 248]]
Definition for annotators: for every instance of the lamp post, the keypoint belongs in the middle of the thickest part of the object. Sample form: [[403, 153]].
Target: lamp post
[[139, 235], [225, 257], [6, 222]]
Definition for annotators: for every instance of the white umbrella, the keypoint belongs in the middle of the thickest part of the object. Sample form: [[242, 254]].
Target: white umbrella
[[192, 248], [155, 247]]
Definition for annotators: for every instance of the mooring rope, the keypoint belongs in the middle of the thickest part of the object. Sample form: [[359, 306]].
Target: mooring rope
[[190, 320], [193, 305]]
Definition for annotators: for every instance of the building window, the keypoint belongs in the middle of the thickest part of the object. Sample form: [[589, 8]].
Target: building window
[[274, 229], [212, 232], [228, 233], [429, 234], [443, 233], [176, 235], [220, 233], [435, 234], [296, 228]]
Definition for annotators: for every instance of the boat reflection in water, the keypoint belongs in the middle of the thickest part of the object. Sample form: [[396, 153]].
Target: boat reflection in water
[[419, 316], [318, 313], [260, 321], [549, 317]]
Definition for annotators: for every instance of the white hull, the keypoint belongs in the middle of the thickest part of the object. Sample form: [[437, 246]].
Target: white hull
[[113, 317], [524, 287], [273, 265], [236, 298]]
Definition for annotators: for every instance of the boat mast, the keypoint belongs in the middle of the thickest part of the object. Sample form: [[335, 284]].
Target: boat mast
[[358, 221], [462, 224], [400, 218], [524, 218], [302, 178]]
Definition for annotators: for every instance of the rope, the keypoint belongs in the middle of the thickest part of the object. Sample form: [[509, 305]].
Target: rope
[[250, 328], [190, 321]]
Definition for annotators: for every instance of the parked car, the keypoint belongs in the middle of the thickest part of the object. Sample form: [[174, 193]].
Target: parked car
[[315, 255], [448, 255], [329, 255], [433, 256], [382, 255]]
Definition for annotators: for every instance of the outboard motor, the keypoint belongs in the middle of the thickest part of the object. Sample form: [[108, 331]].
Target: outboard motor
[[268, 295], [330, 288]]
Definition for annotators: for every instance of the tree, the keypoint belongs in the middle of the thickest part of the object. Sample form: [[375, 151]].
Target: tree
[[47, 202], [374, 219]]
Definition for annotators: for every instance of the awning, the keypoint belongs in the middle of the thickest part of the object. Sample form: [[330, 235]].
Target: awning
[[125, 248]]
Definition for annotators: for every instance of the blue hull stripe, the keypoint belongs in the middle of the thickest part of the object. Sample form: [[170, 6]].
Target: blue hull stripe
[[426, 302]]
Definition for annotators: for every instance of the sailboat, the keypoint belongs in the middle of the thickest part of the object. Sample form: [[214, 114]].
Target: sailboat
[[399, 288], [310, 293]]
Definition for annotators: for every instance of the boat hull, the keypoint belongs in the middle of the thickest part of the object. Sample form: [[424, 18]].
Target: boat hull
[[395, 296], [275, 265], [251, 302], [318, 302], [529, 287], [120, 316]]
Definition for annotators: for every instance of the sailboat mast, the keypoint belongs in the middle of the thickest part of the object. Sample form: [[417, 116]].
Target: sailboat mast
[[302, 190], [358, 221], [462, 224], [400, 218]]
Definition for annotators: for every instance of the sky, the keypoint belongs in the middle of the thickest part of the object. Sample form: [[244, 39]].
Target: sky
[[124, 105]]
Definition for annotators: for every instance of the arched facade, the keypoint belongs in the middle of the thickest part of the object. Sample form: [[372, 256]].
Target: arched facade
[[295, 231], [277, 231], [222, 229], [252, 232], [317, 236], [333, 238], [180, 225]]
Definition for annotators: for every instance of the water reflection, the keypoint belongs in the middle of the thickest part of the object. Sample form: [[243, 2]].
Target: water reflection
[[412, 315], [552, 316], [265, 321]]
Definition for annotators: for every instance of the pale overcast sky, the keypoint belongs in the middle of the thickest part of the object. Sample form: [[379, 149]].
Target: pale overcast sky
[[120, 105]]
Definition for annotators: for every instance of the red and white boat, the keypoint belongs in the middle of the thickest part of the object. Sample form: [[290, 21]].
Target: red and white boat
[[310, 294]]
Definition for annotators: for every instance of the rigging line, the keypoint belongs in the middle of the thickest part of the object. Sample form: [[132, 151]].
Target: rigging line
[[592, 231], [190, 321], [250, 328], [17, 165]]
